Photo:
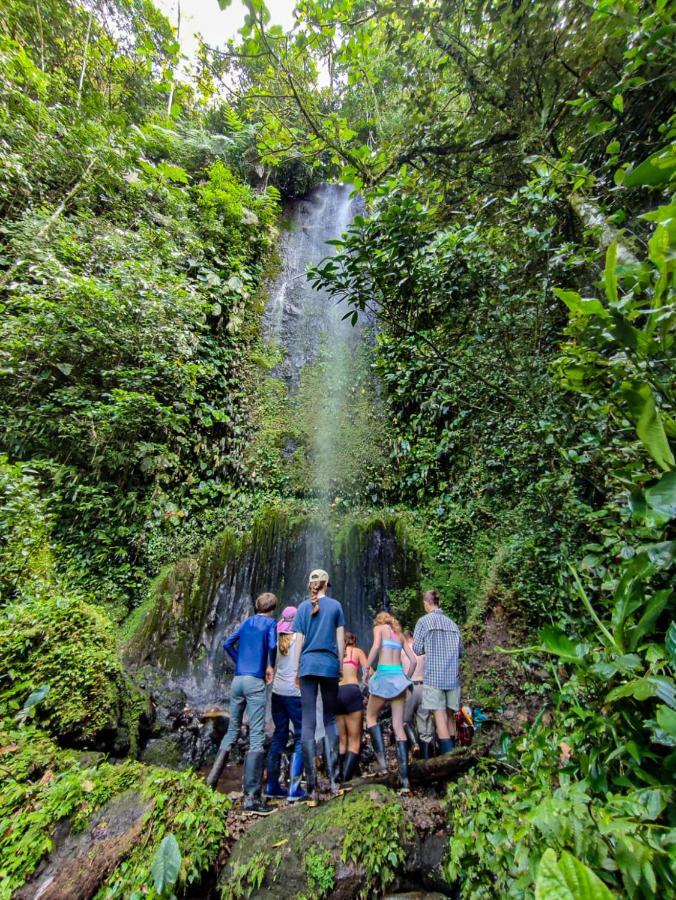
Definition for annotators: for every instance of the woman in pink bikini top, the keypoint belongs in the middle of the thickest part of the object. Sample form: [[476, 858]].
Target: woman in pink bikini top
[[350, 707]]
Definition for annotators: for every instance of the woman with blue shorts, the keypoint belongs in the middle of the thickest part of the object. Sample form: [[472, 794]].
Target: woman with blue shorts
[[389, 685]]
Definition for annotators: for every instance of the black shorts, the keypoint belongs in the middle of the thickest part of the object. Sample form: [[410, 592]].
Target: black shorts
[[349, 700]]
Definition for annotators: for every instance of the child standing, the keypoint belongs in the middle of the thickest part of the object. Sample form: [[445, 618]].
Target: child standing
[[286, 708]]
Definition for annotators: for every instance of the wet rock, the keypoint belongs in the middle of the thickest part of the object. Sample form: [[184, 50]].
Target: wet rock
[[167, 698], [285, 843], [80, 862], [416, 895], [166, 752], [433, 856]]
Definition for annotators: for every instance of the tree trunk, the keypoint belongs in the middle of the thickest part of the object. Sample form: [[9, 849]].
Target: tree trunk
[[170, 101], [84, 61]]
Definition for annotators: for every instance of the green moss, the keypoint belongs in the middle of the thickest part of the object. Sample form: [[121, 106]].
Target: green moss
[[367, 827], [43, 785], [321, 874], [375, 832], [293, 450], [26, 561], [66, 643]]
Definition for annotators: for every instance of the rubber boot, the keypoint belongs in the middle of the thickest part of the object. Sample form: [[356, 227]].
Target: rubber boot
[[332, 760], [402, 759], [218, 766], [378, 747], [426, 749], [350, 766], [341, 765], [412, 739], [446, 745], [310, 766], [295, 774], [273, 787], [253, 783]]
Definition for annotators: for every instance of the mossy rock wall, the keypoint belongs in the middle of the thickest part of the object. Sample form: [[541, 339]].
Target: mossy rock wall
[[196, 602], [66, 647]]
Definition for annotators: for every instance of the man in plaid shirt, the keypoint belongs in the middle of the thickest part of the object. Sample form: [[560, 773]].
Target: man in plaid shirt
[[438, 637]]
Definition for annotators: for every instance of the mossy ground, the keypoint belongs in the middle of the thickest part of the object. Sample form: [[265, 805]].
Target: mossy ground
[[44, 785]]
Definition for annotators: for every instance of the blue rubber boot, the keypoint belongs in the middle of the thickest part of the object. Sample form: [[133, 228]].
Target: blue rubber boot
[[295, 774], [446, 745], [272, 787]]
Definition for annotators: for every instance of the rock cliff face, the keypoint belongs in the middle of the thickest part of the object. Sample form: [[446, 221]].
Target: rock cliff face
[[199, 600]]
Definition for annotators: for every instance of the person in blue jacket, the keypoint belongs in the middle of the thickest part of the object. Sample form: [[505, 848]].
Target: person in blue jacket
[[253, 647]]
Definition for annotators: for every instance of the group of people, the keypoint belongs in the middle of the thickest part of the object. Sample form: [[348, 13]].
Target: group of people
[[312, 663]]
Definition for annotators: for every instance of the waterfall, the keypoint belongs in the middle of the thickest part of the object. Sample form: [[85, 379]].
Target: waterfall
[[323, 353], [325, 370], [299, 318]]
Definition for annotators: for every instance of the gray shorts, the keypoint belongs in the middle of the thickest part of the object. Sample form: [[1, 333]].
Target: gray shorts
[[436, 698]]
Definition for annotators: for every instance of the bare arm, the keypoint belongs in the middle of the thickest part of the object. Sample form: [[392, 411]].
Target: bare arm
[[298, 648], [340, 640], [375, 649], [413, 662]]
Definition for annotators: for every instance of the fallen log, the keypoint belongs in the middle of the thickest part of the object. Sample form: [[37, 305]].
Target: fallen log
[[450, 765]]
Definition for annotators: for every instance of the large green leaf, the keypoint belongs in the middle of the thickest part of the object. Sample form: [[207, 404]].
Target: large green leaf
[[583, 306], [646, 623], [623, 665], [656, 170], [662, 496], [670, 644], [34, 698], [666, 719], [567, 879], [554, 640], [166, 864], [642, 410], [644, 688]]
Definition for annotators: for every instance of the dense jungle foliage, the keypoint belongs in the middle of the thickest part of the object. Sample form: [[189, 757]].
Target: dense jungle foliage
[[516, 163]]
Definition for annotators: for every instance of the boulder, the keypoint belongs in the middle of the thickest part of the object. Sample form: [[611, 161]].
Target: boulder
[[433, 856], [300, 851], [165, 752], [81, 861]]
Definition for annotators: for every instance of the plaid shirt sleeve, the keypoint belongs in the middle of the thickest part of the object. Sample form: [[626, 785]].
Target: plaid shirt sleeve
[[419, 638]]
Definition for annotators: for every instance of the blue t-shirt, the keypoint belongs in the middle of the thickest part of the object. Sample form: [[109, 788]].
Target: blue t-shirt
[[253, 645], [320, 648]]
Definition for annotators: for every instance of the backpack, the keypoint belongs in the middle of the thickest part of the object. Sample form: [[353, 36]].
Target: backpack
[[464, 726]]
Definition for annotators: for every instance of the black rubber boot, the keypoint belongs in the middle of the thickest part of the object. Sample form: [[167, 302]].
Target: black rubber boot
[[350, 765], [332, 759], [341, 765], [310, 765], [426, 749], [402, 759], [219, 764], [253, 782], [412, 739], [378, 747]]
